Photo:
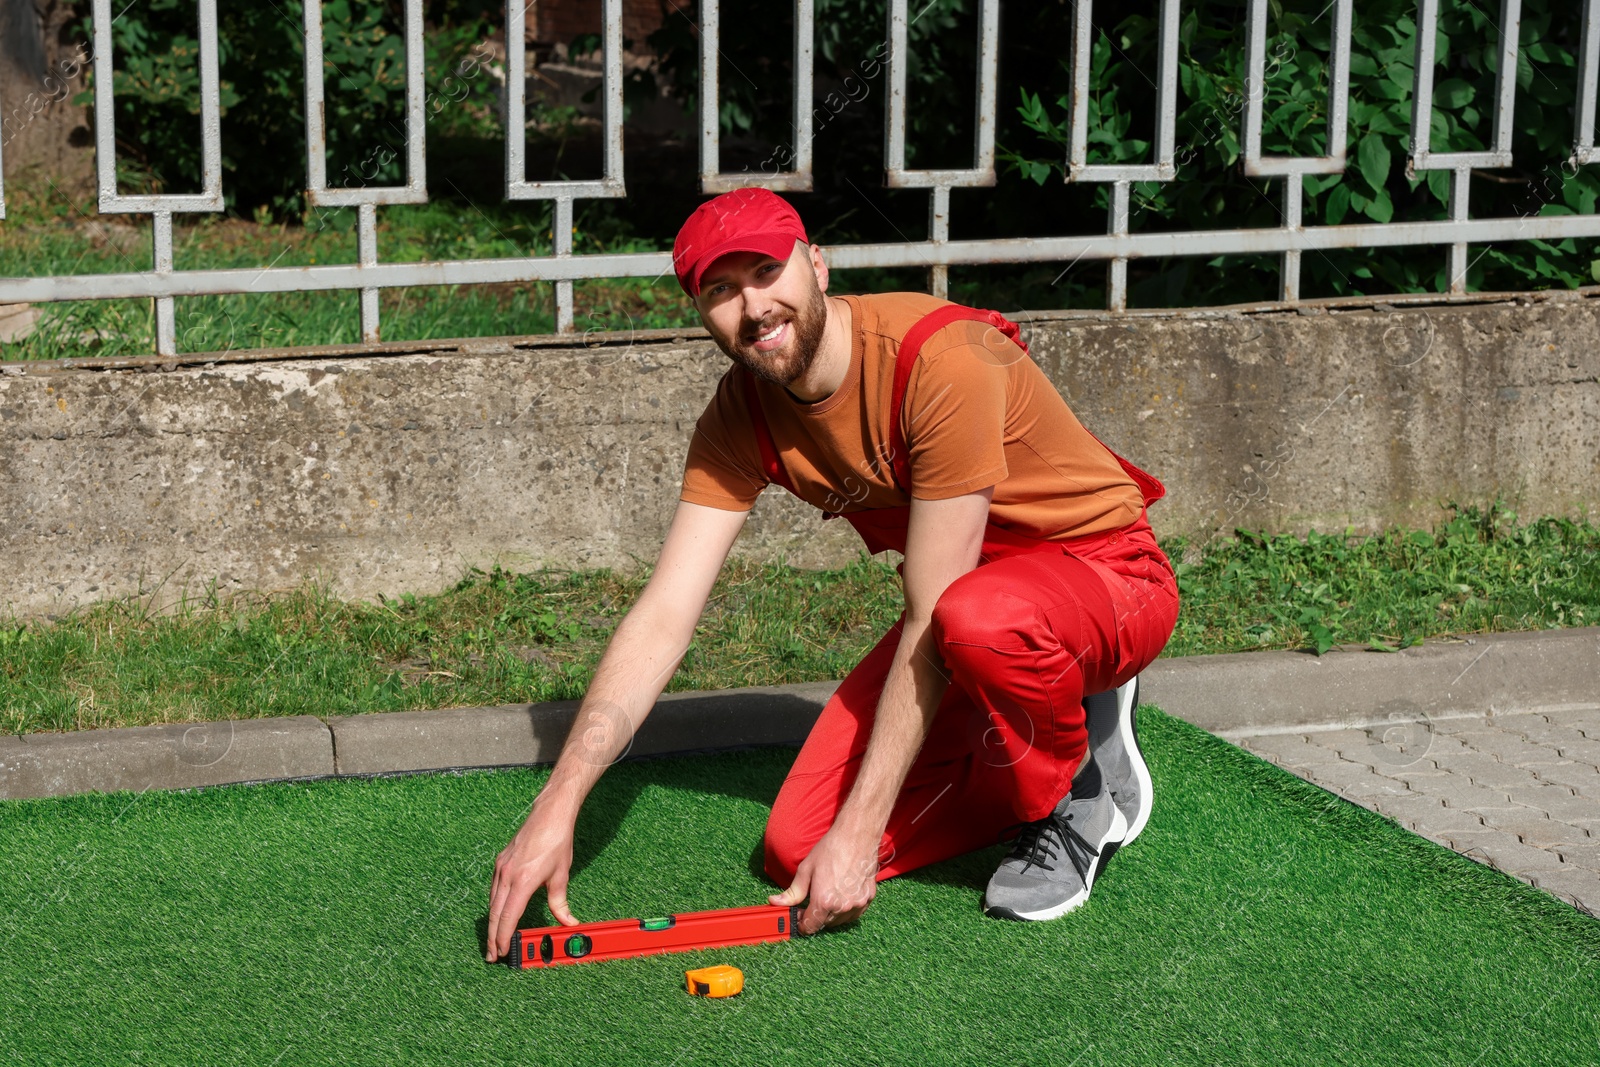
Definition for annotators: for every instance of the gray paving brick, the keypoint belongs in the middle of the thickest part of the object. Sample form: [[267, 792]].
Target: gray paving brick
[[1386, 759], [1502, 744], [1541, 731], [1538, 833], [1586, 722], [1578, 776], [1575, 885], [1422, 768], [1439, 743], [1583, 750], [1582, 854], [1336, 739], [1503, 852], [1519, 792], [1536, 756], [1422, 783], [1562, 805], [1467, 763], [1353, 780], [1504, 778], [1475, 843], [1289, 750], [1427, 816], [1458, 792]]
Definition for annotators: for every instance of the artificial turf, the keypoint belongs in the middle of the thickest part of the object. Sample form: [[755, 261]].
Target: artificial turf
[[1258, 920]]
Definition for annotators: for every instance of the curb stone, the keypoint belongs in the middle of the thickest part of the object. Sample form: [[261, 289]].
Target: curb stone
[[174, 756], [1231, 694], [523, 734], [1243, 692]]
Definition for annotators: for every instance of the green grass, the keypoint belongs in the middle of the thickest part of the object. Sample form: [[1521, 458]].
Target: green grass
[[1479, 572], [1260, 920], [50, 234], [501, 637]]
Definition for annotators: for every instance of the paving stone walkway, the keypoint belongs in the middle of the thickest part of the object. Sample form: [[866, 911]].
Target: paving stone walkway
[[1519, 792]]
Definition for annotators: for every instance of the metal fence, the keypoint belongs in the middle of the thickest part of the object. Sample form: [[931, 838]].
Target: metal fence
[[937, 253]]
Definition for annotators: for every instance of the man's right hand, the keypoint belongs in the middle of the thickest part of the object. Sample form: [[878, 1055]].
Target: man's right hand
[[539, 855]]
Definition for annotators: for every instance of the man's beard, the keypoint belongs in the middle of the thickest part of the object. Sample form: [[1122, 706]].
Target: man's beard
[[807, 328]]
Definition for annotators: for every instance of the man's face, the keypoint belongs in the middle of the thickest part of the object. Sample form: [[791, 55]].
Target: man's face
[[767, 314]]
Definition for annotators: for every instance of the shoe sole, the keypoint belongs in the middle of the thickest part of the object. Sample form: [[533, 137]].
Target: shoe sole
[[1113, 840], [1128, 727]]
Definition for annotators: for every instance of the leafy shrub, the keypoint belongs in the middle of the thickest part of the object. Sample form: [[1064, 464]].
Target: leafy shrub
[[1211, 192], [261, 51]]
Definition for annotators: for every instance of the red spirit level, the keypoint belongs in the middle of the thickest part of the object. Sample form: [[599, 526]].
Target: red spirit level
[[551, 946]]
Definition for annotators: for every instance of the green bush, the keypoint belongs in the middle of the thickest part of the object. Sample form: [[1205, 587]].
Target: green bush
[[261, 71], [157, 107], [1210, 191]]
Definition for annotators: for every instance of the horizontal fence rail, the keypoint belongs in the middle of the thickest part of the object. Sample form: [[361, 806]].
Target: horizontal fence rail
[[1117, 246]]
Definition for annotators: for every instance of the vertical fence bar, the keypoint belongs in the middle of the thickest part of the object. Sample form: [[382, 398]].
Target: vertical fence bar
[[2, 162], [1294, 168], [515, 114], [416, 98], [939, 232], [1255, 85], [365, 198], [1167, 91], [799, 179], [367, 256], [1505, 96], [1120, 175], [805, 26], [166, 318], [940, 182], [561, 194], [1117, 226], [1082, 60], [1460, 184], [316, 137], [161, 207], [1289, 273], [1588, 84], [1460, 164], [710, 87], [561, 233]]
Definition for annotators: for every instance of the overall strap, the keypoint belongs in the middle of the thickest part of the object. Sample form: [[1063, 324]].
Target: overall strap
[[769, 449], [910, 348]]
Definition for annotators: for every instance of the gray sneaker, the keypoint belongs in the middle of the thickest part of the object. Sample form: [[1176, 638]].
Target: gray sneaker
[[1114, 744], [1054, 861]]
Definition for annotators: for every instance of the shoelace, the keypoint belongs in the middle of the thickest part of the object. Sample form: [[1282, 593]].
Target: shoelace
[[1037, 843]]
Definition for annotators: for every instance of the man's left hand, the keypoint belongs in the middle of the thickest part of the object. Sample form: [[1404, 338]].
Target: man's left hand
[[841, 876]]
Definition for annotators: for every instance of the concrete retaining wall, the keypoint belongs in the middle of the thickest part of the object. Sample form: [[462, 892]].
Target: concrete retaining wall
[[396, 468]]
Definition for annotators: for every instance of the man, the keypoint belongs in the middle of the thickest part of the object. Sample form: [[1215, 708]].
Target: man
[[1031, 579]]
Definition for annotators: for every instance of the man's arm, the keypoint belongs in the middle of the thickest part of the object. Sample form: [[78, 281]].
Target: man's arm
[[638, 661], [840, 874]]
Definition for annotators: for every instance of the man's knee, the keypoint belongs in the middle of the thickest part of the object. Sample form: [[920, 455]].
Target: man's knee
[[782, 852], [975, 612]]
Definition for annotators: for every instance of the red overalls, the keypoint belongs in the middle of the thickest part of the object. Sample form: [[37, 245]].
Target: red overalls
[[1035, 626]]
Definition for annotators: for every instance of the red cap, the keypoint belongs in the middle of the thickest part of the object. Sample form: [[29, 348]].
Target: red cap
[[745, 220]]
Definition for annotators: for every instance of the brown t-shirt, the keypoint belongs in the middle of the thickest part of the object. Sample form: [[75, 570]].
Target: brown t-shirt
[[977, 413]]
